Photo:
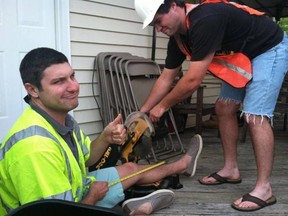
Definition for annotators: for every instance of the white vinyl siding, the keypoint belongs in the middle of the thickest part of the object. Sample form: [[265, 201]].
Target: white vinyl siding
[[104, 26], [107, 26]]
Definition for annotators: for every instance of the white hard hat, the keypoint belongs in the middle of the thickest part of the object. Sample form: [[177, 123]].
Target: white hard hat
[[146, 10]]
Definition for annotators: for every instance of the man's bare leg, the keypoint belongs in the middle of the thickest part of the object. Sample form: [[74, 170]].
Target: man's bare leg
[[263, 143], [180, 166], [228, 128]]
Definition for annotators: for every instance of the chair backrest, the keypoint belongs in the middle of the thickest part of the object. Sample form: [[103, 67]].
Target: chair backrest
[[141, 75], [52, 207], [125, 82]]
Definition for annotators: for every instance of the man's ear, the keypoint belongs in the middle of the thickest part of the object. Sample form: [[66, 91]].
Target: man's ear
[[32, 90], [173, 6]]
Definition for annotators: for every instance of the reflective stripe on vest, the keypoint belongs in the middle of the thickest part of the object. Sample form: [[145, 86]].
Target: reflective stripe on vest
[[21, 135], [79, 137], [34, 131], [235, 68], [225, 68]]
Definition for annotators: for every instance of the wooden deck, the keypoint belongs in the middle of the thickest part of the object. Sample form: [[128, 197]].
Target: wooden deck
[[197, 199]]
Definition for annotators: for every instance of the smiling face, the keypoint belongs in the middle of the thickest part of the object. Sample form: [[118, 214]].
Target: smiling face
[[59, 91]]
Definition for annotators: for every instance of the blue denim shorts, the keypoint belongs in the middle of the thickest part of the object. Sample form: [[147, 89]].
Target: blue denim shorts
[[115, 193], [259, 97]]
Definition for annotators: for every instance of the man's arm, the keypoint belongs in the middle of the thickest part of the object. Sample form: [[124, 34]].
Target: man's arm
[[161, 87], [185, 87], [114, 133]]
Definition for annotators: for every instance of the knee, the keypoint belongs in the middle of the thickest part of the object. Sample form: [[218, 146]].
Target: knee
[[225, 107], [132, 167]]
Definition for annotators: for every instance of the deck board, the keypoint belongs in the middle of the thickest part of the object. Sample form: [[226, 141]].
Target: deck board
[[197, 199]]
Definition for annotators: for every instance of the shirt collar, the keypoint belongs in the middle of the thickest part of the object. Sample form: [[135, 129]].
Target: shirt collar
[[61, 129]]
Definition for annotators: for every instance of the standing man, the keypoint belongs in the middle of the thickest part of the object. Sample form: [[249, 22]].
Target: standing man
[[46, 154], [234, 43]]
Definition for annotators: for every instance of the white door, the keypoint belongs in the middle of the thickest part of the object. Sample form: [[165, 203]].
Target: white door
[[24, 25]]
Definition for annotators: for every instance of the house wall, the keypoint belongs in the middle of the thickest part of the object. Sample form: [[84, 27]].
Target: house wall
[[107, 26]]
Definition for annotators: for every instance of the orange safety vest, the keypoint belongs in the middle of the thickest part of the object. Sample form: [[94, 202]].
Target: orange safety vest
[[233, 68]]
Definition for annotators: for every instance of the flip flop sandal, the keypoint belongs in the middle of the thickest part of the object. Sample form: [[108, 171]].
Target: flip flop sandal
[[220, 180], [261, 203]]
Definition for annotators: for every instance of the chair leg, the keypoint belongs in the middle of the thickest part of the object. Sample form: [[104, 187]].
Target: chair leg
[[176, 130], [199, 110]]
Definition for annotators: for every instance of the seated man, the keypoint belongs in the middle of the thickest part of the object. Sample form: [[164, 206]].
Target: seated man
[[45, 155]]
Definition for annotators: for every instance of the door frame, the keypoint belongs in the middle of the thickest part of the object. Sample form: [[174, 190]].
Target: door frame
[[62, 39], [63, 27]]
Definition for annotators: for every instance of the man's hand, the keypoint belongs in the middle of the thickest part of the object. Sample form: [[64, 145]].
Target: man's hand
[[115, 132], [156, 113], [97, 191]]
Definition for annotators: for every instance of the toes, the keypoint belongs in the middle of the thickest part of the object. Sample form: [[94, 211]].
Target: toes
[[209, 179]]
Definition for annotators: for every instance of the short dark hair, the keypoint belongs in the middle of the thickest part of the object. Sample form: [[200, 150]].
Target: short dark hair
[[165, 8], [36, 61]]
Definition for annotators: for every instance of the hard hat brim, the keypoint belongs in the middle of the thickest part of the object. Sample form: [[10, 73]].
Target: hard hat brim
[[152, 13]]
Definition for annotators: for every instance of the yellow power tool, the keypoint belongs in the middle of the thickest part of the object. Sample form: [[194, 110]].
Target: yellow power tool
[[139, 137]]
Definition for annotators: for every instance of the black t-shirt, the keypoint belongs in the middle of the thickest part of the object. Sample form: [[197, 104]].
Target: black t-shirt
[[223, 27]]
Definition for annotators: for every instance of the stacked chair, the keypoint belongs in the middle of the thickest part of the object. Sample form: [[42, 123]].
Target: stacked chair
[[125, 82]]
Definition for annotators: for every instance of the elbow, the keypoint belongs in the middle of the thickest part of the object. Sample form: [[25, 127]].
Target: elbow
[[88, 163], [193, 85]]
